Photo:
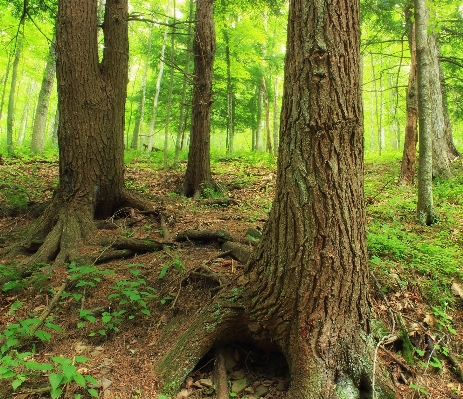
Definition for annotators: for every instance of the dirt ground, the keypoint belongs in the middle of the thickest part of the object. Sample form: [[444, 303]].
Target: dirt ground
[[123, 361]]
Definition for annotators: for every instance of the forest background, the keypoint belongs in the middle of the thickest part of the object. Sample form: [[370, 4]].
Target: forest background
[[247, 82]]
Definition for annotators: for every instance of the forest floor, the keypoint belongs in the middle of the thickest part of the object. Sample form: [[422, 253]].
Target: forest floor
[[114, 321]]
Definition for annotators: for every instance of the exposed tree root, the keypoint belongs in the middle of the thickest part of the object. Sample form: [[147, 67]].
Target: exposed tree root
[[220, 375], [342, 372], [220, 236], [59, 232]]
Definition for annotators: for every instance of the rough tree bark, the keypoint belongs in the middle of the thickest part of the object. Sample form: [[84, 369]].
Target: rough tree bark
[[305, 290], [91, 104], [425, 207], [198, 173], [407, 169]]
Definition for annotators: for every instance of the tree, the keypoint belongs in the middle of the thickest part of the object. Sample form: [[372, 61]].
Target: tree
[[198, 173], [305, 289], [40, 120], [14, 78], [425, 207], [407, 169], [91, 105]]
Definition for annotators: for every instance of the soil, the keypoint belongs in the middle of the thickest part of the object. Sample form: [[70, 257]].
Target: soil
[[123, 361]]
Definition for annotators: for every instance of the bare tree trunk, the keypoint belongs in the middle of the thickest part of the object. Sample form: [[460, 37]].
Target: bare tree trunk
[[139, 123], [198, 174], [259, 125], [407, 169], [230, 122], [425, 207], [40, 120], [4, 82], [267, 116], [180, 143], [25, 115], [171, 85], [11, 98], [158, 85], [276, 117]]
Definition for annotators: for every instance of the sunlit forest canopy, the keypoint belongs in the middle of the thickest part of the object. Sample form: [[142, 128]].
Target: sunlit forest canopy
[[248, 71]]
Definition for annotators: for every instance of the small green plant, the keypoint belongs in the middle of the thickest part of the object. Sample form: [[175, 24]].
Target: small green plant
[[419, 389], [66, 372], [86, 275], [444, 321], [27, 328], [176, 262], [108, 322], [16, 305]]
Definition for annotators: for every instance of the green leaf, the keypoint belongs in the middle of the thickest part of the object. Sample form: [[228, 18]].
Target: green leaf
[[91, 380], [69, 370], [38, 366], [53, 326], [163, 272], [61, 360], [80, 324], [7, 374], [93, 392], [17, 382], [77, 297], [43, 335], [79, 378], [145, 311], [106, 317], [55, 380], [80, 359], [55, 393]]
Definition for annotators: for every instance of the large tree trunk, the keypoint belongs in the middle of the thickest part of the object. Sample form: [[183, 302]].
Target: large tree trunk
[[198, 174], [305, 289], [40, 120], [407, 169], [425, 207], [91, 104]]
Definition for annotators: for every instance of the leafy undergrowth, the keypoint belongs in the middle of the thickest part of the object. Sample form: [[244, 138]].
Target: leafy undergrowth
[[110, 323]]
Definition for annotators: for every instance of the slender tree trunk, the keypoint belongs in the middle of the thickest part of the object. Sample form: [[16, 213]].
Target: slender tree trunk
[[267, 115], [198, 174], [276, 117], [40, 120], [180, 143], [230, 124], [259, 125], [25, 116], [425, 207], [407, 169], [4, 82], [171, 85], [305, 289], [158, 85], [11, 99], [139, 123]]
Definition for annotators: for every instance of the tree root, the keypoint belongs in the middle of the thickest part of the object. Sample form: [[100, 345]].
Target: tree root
[[220, 375]]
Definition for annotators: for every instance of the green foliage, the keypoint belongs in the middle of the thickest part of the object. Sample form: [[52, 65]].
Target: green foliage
[[176, 262], [444, 321], [86, 276], [15, 194]]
